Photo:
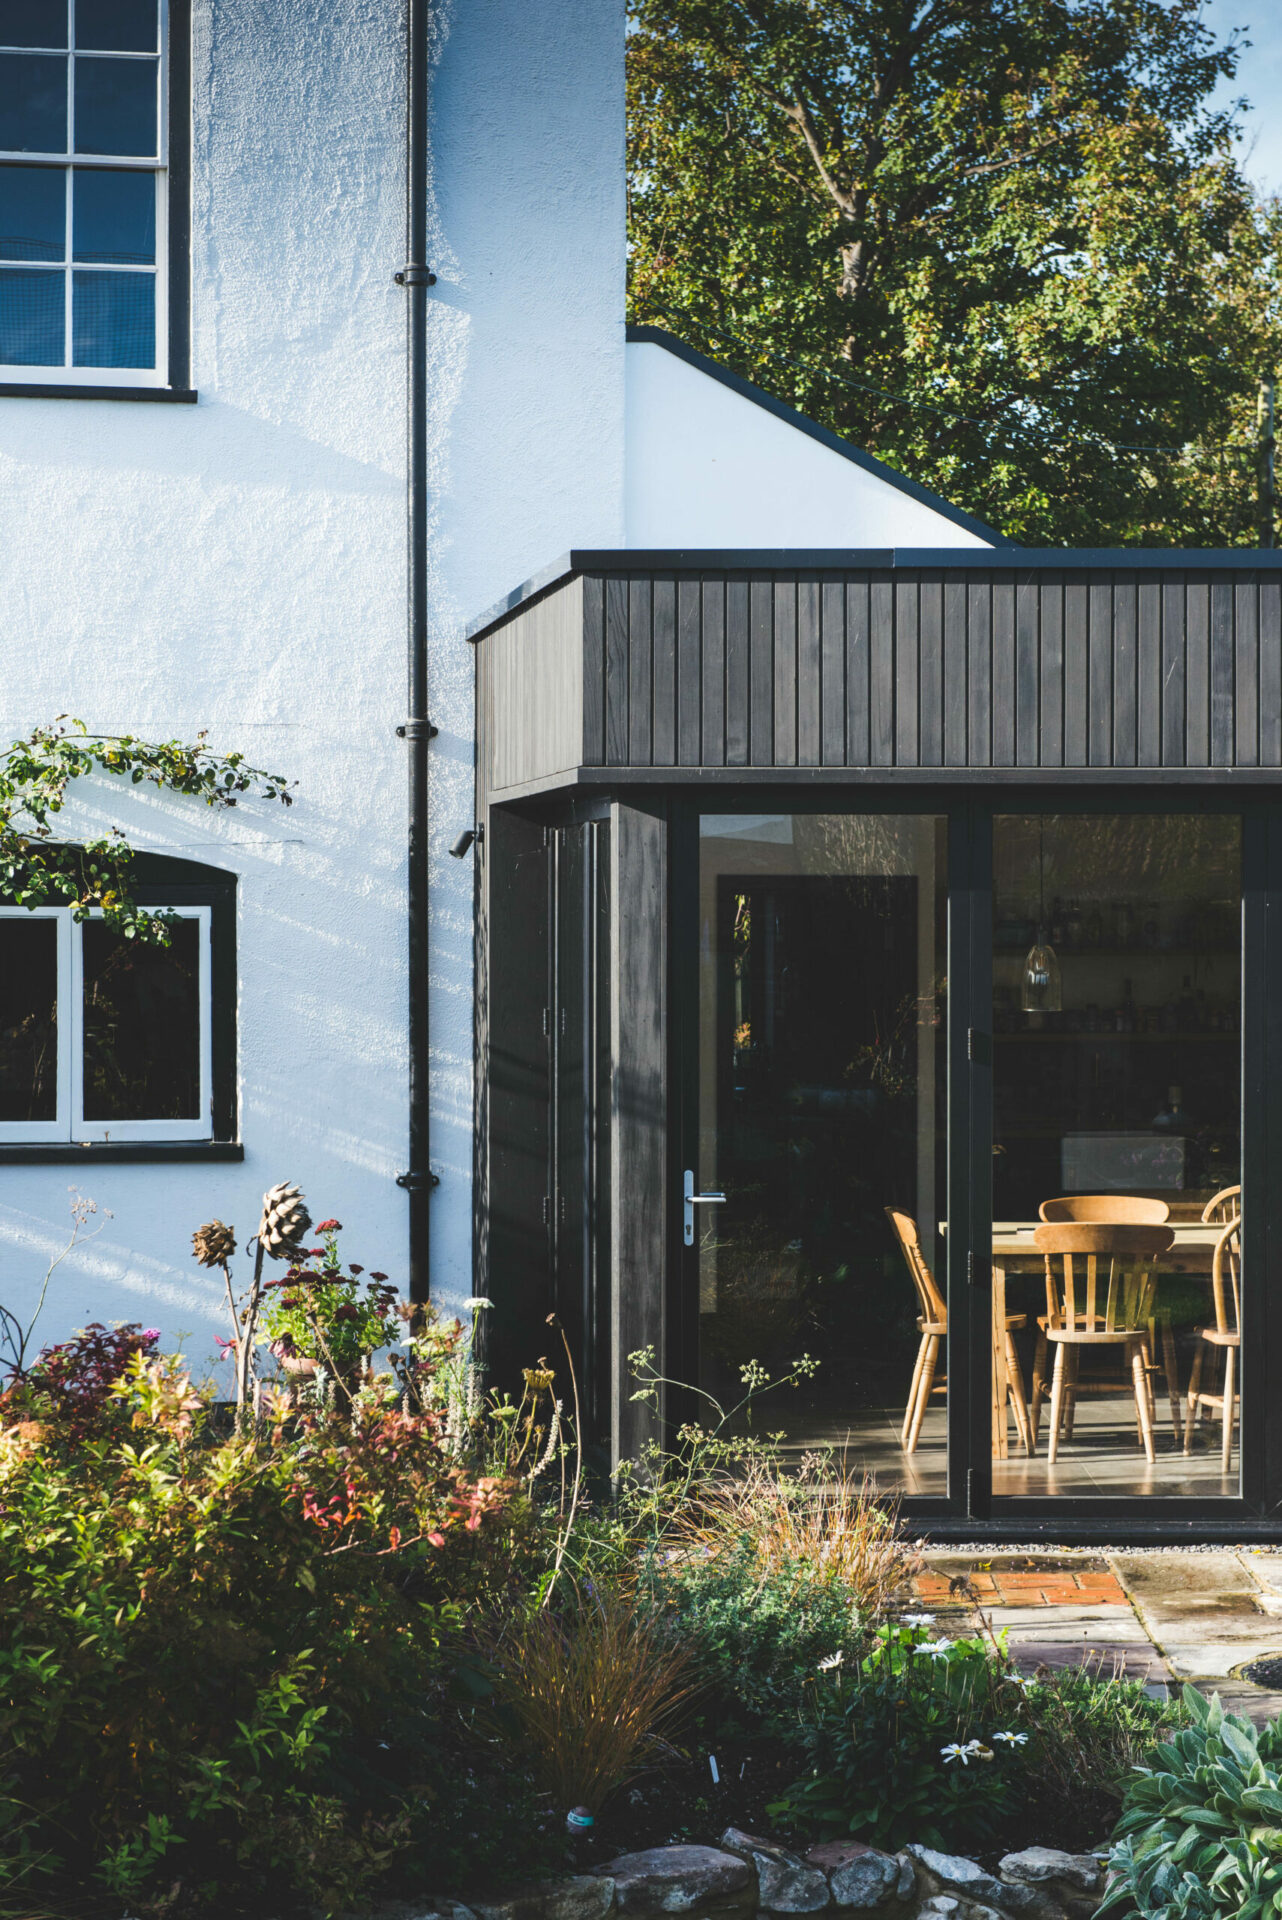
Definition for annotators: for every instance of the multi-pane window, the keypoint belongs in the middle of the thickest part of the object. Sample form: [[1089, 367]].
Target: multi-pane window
[[82, 191], [103, 1038]]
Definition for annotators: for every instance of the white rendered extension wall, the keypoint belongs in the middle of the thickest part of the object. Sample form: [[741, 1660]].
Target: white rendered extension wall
[[708, 467], [240, 566]]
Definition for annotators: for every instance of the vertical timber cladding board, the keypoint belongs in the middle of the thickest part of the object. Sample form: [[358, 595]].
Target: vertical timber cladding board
[[638, 1108], [925, 667], [535, 675]]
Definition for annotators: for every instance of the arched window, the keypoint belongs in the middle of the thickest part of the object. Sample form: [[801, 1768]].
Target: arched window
[[105, 1041]]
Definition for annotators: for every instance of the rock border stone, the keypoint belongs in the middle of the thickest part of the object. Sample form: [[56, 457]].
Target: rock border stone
[[747, 1875]]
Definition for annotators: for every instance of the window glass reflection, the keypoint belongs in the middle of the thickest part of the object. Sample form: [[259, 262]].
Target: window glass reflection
[[142, 1025], [115, 106], [28, 1019], [33, 103], [821, 1091], [1117, 1115], [33, 23], [116, 26], [114, 216], [33, 213]]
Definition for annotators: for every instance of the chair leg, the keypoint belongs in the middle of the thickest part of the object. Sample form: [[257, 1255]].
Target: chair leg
[[1057, 1403], [1139, 1374], [923, 1391], [1071, 1365], [1015, 1384], [1039, 1382], [1226, 1449], [911, 1408], [1171, 1367], [1195, 1395]]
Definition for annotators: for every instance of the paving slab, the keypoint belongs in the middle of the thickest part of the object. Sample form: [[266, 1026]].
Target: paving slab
[[1265, 1569], [1068, 1622], [1201, 1610]]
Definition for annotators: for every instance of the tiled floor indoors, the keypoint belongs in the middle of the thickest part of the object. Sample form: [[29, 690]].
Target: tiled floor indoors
[[1102, 1457]]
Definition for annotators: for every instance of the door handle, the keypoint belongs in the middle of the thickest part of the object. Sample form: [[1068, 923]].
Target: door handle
[[693, 1200]]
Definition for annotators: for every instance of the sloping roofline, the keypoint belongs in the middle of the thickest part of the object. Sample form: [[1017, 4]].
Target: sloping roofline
[[802, 423], [1006, 560]]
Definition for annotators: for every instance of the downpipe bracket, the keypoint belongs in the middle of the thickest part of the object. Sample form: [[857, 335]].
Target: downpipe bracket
[[417, 730], [416, 1181], [414, 275]]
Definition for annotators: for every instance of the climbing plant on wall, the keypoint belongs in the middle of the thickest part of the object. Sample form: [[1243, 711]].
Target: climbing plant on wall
[[39, 870]]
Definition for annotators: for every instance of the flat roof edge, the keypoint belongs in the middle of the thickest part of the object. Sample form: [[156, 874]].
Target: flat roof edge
[[1004, 560]]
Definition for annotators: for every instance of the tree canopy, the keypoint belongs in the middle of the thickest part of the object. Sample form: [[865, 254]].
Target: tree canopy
[[1004, 244]]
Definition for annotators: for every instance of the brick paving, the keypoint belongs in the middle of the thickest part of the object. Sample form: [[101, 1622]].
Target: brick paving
[[1006, 1586]]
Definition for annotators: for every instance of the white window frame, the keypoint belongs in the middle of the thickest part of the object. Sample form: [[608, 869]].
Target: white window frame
[[67, 375], [71, 1127]]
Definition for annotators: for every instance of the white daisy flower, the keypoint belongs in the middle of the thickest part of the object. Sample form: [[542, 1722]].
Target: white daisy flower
[[917, 1620], [934, 1647], [833, 1660], [1013, 1739]]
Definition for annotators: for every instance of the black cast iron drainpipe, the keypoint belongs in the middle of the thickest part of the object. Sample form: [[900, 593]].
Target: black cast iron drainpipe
[[417, 731]]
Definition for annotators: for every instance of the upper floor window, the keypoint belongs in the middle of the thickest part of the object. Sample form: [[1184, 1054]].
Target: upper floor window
[[83, 192]]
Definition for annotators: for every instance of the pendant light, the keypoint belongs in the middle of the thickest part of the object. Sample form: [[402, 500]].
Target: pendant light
[[1041, 990]]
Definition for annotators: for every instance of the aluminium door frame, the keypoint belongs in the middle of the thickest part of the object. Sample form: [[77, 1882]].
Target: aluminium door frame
[[969, 1509]]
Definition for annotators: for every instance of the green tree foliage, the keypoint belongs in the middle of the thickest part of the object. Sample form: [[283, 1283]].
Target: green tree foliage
[[1004, 244]]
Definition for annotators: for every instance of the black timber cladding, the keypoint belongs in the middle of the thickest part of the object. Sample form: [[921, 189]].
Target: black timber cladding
[[1058, 662]]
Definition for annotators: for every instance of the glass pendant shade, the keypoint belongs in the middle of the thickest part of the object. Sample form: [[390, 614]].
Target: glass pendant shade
[[1042, 990]]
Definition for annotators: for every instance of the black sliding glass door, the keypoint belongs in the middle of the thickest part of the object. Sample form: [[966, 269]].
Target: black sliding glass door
[[964, 1121]]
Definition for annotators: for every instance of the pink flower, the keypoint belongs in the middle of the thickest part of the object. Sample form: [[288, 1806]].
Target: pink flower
[[151, 1333], [330, 1226]]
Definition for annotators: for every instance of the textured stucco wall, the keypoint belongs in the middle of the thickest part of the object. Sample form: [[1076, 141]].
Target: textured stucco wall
[[707, 467], [240, 566]]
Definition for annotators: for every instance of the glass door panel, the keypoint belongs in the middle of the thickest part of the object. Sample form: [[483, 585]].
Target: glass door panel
[[1117, 967], [821, 1103]]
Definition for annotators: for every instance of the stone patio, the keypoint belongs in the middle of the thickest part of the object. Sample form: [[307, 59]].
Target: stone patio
[[1161, 1615]]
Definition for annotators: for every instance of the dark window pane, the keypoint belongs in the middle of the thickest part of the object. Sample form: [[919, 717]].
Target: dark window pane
[[28, 1019], [116, 26], [32, 317], [142, 1025], [33, 103], [33, 23], [116, 106], [113, 320], [33, 213], [114, 216]]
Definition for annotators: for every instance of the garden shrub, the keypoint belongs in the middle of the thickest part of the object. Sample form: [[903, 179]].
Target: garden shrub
[[758, 1633], [1201, 1834], [941, 1741], [230, 1664]]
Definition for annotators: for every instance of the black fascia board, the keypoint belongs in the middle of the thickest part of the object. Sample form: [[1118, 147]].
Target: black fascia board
[[802, 423], [758, 560]]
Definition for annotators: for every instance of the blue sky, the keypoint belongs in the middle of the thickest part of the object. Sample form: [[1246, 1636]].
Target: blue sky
[[1259, 77]]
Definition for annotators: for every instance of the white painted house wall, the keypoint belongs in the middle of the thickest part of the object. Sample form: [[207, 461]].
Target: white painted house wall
[[708, 467], [240, 566]]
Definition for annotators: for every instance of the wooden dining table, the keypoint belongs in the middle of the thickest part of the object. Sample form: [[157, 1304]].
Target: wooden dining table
[[1015, 1251]]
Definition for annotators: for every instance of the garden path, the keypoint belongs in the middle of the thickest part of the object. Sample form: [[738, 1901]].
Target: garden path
[[1162, 1615]]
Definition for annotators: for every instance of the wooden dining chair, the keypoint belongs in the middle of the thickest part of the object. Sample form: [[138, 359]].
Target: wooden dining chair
[[1115, 1209], [1101, 1278], [1224, 1337], [932, 1323], [1226, 1206]]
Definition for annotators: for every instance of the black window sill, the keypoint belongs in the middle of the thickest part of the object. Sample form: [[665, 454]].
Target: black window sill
[[123, 1152], [176, 396]]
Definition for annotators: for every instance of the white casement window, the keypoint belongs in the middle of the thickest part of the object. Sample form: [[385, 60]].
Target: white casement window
[[83, 144], [103, 1038]]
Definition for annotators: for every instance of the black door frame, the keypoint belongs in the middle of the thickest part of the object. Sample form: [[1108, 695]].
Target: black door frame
[[969, 1511]]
